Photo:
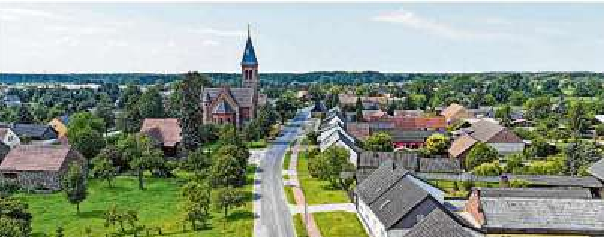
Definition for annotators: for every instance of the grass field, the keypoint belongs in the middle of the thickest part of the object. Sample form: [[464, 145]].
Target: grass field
[[299, 225], [339, 224], [286, 158], [315, 190], [157, 206], [289, 193]]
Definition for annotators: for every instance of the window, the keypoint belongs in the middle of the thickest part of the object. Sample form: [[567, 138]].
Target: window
[[10, 175]]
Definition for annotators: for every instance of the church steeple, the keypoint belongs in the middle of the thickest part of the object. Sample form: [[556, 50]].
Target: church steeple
[[249, 55]]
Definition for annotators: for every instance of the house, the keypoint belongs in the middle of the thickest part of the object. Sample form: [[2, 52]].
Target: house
[[339, 138], [319, 109], [454, 113], [373, 115], [236, 106], [60, 125], [392, 202], [34, 131], [532, 212], [165, 131], [408, 113], [8, 137], [483, 112], [333, 129], [437, 123], [333, 120], [597, 170], [494, 135], [38, 166]]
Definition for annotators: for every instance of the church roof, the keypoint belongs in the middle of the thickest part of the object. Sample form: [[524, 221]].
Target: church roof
[[249, 55], [243, 96]]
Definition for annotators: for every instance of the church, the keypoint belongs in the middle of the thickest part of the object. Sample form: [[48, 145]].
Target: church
[[236, 106]]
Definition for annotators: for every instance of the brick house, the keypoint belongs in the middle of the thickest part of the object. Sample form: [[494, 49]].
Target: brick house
[[38, 166]]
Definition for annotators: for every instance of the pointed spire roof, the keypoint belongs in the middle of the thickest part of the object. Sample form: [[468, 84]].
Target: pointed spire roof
[[249, 55]]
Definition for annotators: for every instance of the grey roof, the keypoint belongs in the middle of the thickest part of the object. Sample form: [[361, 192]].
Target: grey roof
[[560, 193], [444, 165], [407, 160], [552, 215], [399, 135], [440, 224], [395, 203], [597, 169], [379, 182], [223, 107], [485, 130], [32, 130], [243, 96]]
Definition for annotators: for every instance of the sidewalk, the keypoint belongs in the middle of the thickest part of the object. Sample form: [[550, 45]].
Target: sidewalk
[[311, 226], [331, 207]]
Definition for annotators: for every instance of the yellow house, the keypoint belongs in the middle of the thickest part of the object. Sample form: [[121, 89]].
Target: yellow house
[[59, 124]]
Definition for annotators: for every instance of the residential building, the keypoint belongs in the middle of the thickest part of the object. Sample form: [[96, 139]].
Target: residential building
[[535, 212], [38, 166], [166, 132], [60, 125], [34, 131], [455, 112], [392, 202], [500, 138], [339, 138], [11, 100]]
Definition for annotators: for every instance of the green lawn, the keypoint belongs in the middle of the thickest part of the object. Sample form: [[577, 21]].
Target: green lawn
[[157, 206], [315, 190], [289, 193], [286, 158], [300, 227], [339, 224], [256, 144]]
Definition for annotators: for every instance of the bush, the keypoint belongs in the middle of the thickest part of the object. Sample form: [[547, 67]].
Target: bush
[[519, 183]]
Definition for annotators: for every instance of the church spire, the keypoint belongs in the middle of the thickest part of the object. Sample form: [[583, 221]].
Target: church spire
[[249, 55]]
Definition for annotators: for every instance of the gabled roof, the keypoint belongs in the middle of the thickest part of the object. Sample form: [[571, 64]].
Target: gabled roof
[[31, 130], [460, 145], [223, 107], [164, 130], [554, 215], [379, 182], [242, 96], [442, 165], [452, 110], [397, 201], [440, 224], [597, 170], [560, 193], [35, 158], [485, 130], [338, 136]]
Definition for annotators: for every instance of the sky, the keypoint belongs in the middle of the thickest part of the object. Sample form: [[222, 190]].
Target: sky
[[301, 37]]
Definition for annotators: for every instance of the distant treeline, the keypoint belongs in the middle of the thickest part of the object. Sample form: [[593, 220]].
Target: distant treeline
[[337, 77]]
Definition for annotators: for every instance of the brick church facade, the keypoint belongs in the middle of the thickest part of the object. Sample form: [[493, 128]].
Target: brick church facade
[[236, 106]]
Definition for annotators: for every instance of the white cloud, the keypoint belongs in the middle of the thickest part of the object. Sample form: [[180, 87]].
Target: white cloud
[[13, 14]]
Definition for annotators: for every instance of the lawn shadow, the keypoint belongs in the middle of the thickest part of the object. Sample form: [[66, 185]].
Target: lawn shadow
[[92, 214], [240, 215]]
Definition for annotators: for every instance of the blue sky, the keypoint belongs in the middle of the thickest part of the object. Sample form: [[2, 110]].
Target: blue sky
[[296, 37]]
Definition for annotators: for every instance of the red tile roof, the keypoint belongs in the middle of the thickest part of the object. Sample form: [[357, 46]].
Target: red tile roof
[[166, 130], [35, 158]]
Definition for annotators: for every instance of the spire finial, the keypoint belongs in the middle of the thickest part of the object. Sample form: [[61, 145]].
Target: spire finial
[[248, 30]]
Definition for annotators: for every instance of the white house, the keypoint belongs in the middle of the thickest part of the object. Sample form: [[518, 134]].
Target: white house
[[338, 139], [333, 129], [9, 138], [392, 202]]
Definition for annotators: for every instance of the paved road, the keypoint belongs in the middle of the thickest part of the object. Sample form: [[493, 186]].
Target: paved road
[[273, 218]]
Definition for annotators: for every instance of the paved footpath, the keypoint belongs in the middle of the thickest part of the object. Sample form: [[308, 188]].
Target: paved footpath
[[331, 207], [311, 226]]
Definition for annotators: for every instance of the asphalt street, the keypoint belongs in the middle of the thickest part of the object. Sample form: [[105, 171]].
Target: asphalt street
[[273, 218]]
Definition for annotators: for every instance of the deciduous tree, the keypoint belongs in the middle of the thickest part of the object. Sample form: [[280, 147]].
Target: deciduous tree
[[74, 185]]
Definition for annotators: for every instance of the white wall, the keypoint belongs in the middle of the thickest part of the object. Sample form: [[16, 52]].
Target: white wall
[[11, 139], [375, 227], [507, 148]]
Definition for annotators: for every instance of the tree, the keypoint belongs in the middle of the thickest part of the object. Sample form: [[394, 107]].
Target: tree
[[82, 120], [227, 198], [198, 162], [191, 111], [378, 142], [229, 166], [74, 185], [104, 110], [505, 115], [489, 169], [150, 157], [87, 141], [437, 144], [359, 110], [15, 218], [335, 161], [480, 153], [130, 120], [196, 203], [151, 104], [25, 115], [514, 163], [102, 167]]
